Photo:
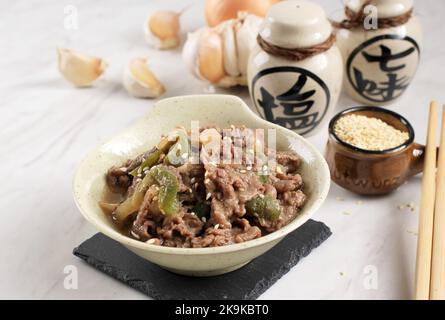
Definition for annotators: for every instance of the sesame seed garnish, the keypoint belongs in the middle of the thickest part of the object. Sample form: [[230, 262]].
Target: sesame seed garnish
[[216, 226], [151, 241], [242, 171], [208, 196], [203, 219], [206, 181], [193, 180], [410, 206], [124, 169], [368, 133]]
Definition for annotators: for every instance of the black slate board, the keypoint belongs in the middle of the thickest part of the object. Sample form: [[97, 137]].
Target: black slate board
[[249, 282]]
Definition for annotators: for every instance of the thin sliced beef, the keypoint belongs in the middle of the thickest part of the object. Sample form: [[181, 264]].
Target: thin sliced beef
[[180, 229], [270, 190], [230, 188], [240, 232], [118, 179], [289, 160], [286, 182], [148, 215], [223, 190], [291, 202], [192, 179]]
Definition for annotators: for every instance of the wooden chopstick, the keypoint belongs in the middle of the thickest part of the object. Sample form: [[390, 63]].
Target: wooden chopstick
[[437, 286], [425, 235]]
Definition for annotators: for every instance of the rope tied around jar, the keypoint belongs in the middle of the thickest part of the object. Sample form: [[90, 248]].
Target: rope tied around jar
[[296, 54], [356, 19]]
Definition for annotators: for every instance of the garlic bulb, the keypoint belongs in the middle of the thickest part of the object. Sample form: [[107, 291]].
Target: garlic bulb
[[79, 69], [219, 55], [162, 30], [140, 81]]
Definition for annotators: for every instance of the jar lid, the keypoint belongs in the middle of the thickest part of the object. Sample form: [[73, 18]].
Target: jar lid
[[295, 24], [385, 8]]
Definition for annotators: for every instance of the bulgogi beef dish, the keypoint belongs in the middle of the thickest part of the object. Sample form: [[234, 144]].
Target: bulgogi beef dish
[[167, 199]]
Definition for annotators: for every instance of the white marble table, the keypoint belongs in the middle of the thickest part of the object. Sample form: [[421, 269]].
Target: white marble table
[[47, 127]]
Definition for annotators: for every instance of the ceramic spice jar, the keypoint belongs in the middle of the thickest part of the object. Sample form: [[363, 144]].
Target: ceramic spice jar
[[295, 71], [380, 41]]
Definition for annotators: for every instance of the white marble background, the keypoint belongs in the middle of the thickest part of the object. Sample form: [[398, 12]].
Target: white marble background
[[47, 127]]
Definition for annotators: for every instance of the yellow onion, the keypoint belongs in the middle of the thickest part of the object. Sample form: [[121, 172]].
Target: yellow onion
[[217, 11]]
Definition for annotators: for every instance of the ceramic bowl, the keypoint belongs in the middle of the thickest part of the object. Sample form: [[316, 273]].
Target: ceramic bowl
[[219, 110], [369, 172]]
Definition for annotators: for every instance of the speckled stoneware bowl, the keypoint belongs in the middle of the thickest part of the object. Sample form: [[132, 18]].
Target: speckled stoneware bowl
[[219, 110]]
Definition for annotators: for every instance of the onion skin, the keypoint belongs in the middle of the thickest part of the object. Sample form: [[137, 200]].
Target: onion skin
[[217, 11]]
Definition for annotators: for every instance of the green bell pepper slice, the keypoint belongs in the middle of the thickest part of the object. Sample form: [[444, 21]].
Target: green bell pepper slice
[[154, 156], [266, 208]]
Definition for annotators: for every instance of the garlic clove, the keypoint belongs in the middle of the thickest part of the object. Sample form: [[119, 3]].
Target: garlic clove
[[140, 82], [248, 26], [80, 69], [162, 30], [230, 50], [210, 57], [190, 50]]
